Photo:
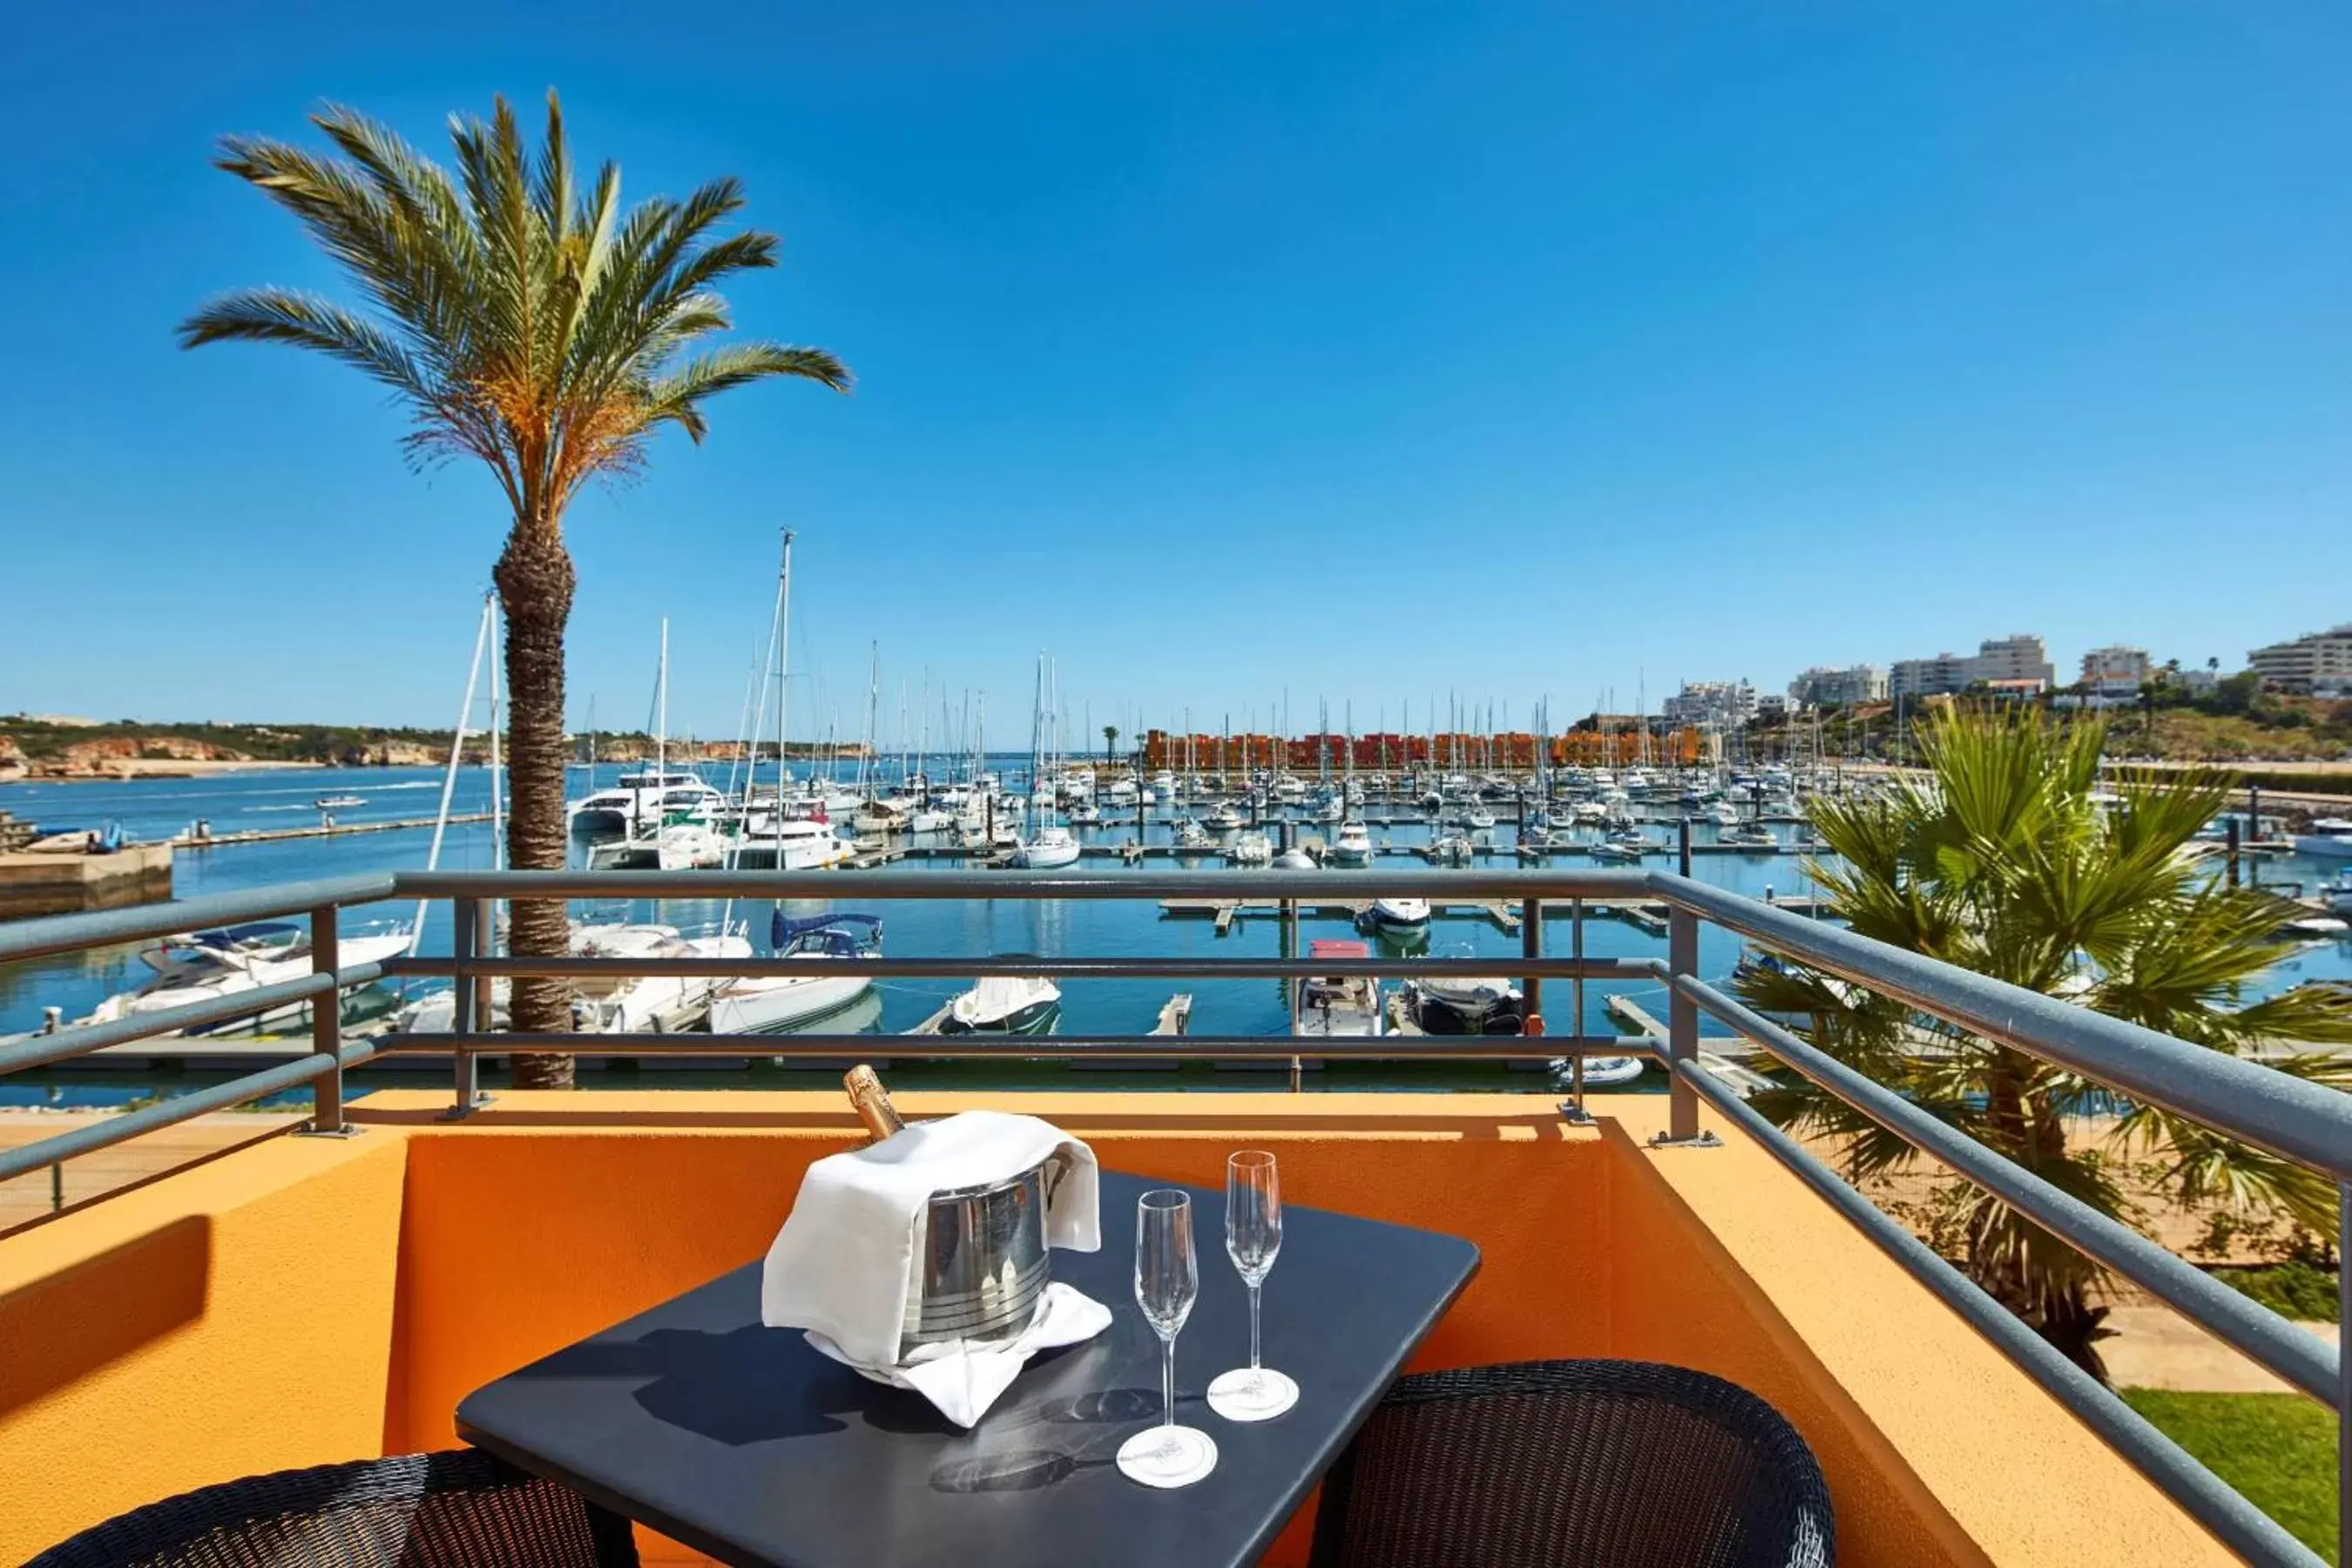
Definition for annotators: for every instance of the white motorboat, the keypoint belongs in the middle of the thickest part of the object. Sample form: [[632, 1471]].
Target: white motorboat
[[1226, 816], [1332, 810], [216, 966], [1748, 836], [774, 1004], [1478, 819], [1398, 914], [1289, 789], [435, 1012], [2330, 837], [2337, 896], [1191, 835], [1478, 1005], [688, 847], [790, 843], [1053, 849], [1452, 849], [1296, 859], [641, 799], [1253, 849], [339, 802], [665, 1000], [1084, 815], [2315, 928], [1340, 1006], [1722, 813], [1004, 1005], [1353, 845]]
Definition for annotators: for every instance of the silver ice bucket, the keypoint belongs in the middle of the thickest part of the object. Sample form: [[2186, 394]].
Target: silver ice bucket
[[981, 1261]]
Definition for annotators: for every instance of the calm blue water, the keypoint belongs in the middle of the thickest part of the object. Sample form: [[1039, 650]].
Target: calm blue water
[[969, 927]]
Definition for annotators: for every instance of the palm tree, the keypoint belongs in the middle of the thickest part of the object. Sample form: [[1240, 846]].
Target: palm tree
[[535, 325], [1110, 743], [2005, 863]]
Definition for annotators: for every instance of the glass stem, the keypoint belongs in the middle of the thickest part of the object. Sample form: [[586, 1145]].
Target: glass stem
[[1168, 1381], [1253, 1362]]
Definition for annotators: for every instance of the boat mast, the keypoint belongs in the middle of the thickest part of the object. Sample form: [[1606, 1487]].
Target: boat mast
[[457, 751]]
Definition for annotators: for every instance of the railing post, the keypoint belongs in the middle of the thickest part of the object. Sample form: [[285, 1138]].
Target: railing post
[[462, 1016], [2344, 1393], [1531, 938], [1682, 1027], [327, 1026]]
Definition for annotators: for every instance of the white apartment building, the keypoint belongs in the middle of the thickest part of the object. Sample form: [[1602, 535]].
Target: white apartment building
[[2315, 664], [2018, 665], [1824, 686], [1721, 704], [2115, 674]]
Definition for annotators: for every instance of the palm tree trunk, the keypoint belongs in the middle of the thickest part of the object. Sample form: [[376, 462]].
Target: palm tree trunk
[[535, 582]]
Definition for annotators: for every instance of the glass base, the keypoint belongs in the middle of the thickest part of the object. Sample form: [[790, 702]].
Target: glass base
[[1167, 1456], [1247, 1395]]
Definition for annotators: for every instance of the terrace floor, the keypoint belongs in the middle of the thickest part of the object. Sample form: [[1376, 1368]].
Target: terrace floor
[[306, 1299]]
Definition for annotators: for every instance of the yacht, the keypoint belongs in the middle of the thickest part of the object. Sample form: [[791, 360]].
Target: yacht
[[2330, 837], [1478, 819], [1452, 849], [662, 1002], [645, 795], [1191, 835], [1226, 816], [1353, 846], [1398, 914], [435, 1012], [1474, 1006], [787, 843], [212, 965], [1723, 813], [1751, 835], [773, 1004], [1004, 1005], [1082, 815], [1253, 848], [1323, 1007]]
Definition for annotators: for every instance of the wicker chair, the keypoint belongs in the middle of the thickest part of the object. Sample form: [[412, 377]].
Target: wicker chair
[[458, 1510], [1616, 1464]]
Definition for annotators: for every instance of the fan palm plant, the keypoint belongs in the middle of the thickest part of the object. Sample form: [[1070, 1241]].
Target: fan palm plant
[[2009, 862], [536, 325]]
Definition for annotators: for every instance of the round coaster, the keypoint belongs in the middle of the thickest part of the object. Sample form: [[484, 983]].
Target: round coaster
[[1243, 1395], [1167, 1456]]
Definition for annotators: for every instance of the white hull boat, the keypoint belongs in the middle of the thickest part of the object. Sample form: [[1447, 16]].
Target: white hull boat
[[211, 965], [1053, 849]]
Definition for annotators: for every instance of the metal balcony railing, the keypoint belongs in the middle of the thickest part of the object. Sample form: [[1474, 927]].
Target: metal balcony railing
[[2288, 1116]]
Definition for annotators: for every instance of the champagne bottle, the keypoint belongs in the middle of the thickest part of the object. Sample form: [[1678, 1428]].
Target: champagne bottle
[[872, 1102]]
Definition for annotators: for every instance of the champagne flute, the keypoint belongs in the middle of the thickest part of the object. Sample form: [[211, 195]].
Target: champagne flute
[[1167, 1282], [1252, 1238]]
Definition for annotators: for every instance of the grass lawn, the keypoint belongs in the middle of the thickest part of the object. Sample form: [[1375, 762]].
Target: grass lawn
[[2279, 1450]]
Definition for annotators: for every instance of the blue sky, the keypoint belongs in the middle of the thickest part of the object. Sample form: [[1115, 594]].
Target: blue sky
[[1366, 352]]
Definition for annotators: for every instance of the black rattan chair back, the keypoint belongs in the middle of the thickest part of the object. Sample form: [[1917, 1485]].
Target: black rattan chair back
[[457, 1510], [1613, 1464]]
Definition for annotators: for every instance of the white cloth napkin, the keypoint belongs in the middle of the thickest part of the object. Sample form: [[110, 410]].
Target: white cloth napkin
[[840, 1265], [963, 1377]]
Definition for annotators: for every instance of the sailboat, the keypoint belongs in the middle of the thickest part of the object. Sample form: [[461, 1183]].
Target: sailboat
[[1049, 847]]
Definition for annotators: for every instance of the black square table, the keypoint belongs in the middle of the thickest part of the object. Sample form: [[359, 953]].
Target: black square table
[[744, 1443]]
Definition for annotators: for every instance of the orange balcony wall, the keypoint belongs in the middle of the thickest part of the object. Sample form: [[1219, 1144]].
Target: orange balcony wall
[[308, 1299]]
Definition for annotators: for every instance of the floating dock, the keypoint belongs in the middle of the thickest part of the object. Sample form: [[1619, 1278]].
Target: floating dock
[[62, 882]]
